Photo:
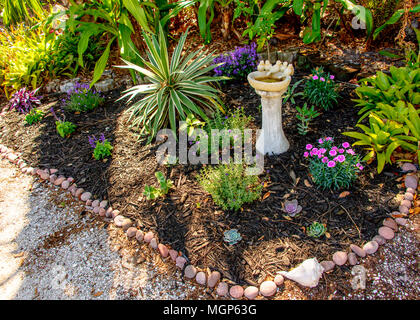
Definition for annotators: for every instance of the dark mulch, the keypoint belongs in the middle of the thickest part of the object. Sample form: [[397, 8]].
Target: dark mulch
[[187, 219]]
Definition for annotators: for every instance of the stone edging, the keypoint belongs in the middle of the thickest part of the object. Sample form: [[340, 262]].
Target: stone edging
[[213, 280]]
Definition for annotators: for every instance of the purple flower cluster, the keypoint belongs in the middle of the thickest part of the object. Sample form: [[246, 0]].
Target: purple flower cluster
[[93, 140], [23, 100], [237, 63]]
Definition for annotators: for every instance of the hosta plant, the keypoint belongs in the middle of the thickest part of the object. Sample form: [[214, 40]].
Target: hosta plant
[[23, 100], [382, 137], [34, 116], [331, 166], [321, 90], [179, 86], [82, 98], [102, 147], [229, 185], [151, 192], [316, 230]]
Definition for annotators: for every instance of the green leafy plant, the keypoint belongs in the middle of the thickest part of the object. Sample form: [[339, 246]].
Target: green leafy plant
[[290, 93], [316, 230], [332, 166], [16, 11], [34, 116], [229, 186], [179, 87], [305, 116], [321, 90], [101, 147], [382, 137], [65, 128], [151, 192], [401, 85], [191, 124]]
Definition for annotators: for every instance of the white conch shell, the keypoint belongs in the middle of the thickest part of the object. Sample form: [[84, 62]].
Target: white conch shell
[[307, 273]]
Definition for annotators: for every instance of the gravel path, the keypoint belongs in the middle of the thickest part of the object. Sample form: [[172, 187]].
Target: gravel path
[[50, 248]]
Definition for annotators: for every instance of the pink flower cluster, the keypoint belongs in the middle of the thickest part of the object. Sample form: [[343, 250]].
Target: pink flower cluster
[[315, 77], [333, 156]]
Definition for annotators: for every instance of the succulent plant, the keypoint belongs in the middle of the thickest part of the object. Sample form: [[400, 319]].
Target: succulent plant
[[316, 230], [232, 236], [292, 208]]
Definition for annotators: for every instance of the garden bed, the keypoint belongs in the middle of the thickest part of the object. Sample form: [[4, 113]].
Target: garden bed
[[187, 219]]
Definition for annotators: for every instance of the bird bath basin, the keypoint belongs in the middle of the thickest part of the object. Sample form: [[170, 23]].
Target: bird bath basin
[[271, 82]]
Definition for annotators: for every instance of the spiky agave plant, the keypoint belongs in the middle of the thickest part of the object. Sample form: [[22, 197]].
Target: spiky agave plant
[[179, 86]]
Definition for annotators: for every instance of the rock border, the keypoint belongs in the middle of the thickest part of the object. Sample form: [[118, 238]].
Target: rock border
[[214, 280]]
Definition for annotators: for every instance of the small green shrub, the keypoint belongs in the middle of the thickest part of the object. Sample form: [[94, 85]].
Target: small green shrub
[[316, 230], [34, 116], [229, 186], [82, 98], [152, 193], [65, 128], [102, 147], [305, 116]]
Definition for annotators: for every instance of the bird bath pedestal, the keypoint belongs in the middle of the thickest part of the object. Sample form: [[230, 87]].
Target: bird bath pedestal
[[272, 140]]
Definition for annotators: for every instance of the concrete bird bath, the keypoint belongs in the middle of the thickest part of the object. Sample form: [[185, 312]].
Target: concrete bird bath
[[271, 82]]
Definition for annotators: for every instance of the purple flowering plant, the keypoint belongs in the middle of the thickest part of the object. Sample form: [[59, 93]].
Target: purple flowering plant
[[82, 98], [23, 100], [332, 166], [237, 64], [64, 128], [321, 90], [102, 147]]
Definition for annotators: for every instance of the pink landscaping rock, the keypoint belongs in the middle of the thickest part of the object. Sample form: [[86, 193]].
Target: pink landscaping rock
[[70, 179], [386, 232], [118, 220], [371, 247], [251, 292], [89, 203], [12, 157], [53, 177], [352, 259], [59, 181], [379, 239], [127, 223], [108, 212], [222, 289], [79, 192], [131, 232], [200, 278], [268, 288], [44, 176], [65, 185], [139, 235], [73, 189], [389, 222], [236, 292], [96, 210], [103, 203], [327, 265], [401, 221], [95, 203], [153, 243], [278, 280], [409, 196], [340, 258], [52, 171], [85, 196], [357, 250], [115, 213], [163, 250], [180, 262], [411, 190], [214, 277], [403, 209], [406, 203], [173, 254], [411, 181], [406, 167], [148, 236], [190, 271], [102, 212]]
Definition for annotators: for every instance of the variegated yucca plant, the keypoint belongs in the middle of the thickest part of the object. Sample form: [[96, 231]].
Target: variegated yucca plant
[[180, 86]]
